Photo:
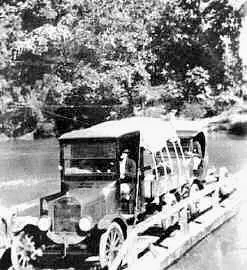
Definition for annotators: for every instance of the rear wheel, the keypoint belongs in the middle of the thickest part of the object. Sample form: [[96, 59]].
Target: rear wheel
[[110, 244]]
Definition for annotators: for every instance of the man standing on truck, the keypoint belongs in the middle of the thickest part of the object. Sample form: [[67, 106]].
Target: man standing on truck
[[127, 166]]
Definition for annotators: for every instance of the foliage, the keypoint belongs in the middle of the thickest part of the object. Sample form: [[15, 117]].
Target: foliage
[[106, 47], [75, 53], [189, 44], [194, 110], [197, 86], [225, 101]]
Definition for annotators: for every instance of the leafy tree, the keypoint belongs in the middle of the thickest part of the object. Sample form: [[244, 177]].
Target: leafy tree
[[74, 53], [196, 84], [91, 44], [189, 38]]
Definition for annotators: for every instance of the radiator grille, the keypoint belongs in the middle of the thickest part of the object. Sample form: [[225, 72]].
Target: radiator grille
[[67, 212]]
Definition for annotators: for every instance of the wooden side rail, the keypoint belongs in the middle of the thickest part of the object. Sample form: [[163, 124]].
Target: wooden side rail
[[128, 250]]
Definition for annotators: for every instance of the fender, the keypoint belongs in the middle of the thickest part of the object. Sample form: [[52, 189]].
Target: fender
[[105, 222], [19, 223], [13, 224]]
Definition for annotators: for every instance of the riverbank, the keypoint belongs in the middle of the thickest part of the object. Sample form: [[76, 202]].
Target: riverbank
[[232, 121]]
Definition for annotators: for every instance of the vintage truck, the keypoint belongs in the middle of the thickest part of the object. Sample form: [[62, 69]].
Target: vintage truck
[[103, 194]]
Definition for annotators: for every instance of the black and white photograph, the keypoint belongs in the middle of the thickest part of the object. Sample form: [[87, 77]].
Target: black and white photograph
[[123, 134]]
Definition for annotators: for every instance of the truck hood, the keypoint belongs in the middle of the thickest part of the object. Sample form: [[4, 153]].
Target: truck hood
[[89, 192]]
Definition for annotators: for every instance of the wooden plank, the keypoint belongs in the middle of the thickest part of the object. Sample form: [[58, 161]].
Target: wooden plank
[[160, 258]]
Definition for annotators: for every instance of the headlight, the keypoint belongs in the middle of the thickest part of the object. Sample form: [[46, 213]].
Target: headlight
[[44, 223], [85, 224]]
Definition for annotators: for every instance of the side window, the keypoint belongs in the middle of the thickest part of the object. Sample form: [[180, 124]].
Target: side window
[[169, 154], [197, 148], [180, 154], [186, 146], [174, 155], [162, 163], [148, 162], [159, 163], [179, 150]]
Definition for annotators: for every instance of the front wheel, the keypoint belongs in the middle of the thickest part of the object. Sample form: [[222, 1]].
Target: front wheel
[[24, 252], [110, 244]]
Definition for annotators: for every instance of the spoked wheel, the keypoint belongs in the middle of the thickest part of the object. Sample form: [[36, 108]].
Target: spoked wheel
[[24, 252], [195, 206], [110, 244]]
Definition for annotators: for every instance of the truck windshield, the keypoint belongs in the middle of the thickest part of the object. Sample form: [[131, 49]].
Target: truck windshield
[[89, 158]]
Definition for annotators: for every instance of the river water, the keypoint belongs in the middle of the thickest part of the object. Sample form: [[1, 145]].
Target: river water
[[29, 170]]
